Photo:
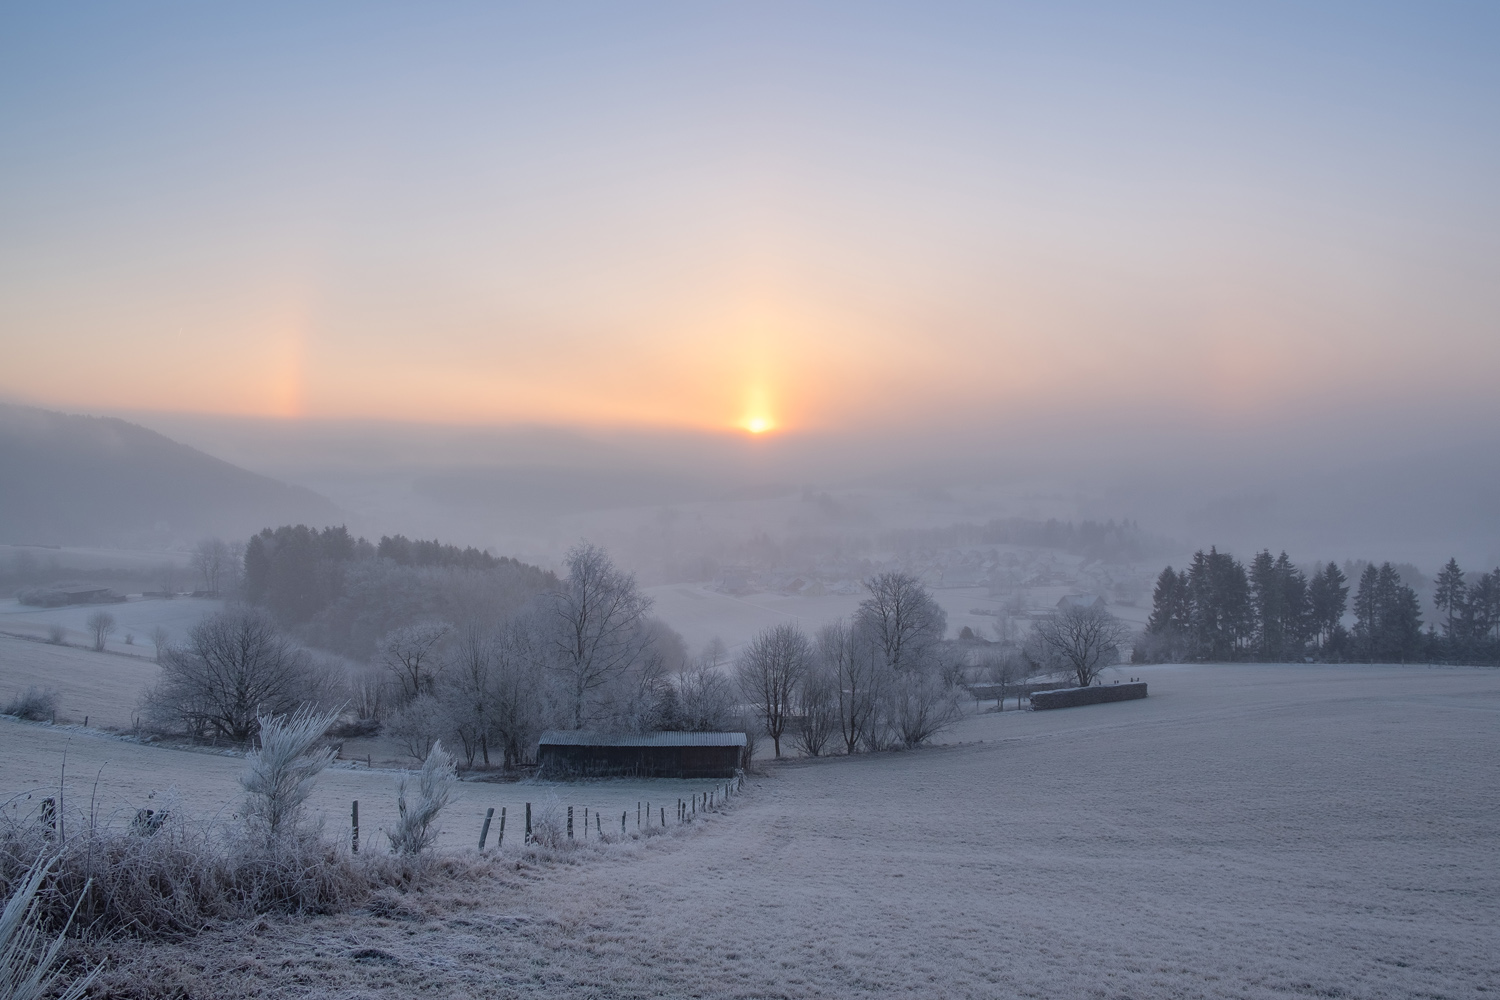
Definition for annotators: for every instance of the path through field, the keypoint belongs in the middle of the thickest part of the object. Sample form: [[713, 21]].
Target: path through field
[[1248, 831]]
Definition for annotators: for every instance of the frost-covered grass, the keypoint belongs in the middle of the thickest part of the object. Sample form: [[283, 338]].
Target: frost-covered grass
[[1247, 831], [105, 687], [120, 777]]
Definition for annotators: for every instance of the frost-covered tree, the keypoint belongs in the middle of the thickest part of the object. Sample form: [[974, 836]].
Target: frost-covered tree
[[235, 667], [1086, 638], [816, 715], [414, 654], [769, 671], [211, 560], [595, 624], [101, 625], [705, 697], [855, 666], [902, 618]]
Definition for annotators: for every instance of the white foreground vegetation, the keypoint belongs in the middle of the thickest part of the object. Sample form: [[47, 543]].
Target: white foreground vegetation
[[279, 775], [419, 803], [28, 955]]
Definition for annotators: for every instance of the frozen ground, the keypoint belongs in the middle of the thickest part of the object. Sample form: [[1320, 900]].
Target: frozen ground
[[203, 784], [135, 617], [1247, 831]]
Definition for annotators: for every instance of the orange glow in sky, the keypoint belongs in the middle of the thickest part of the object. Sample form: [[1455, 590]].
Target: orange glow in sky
[[898, 225]]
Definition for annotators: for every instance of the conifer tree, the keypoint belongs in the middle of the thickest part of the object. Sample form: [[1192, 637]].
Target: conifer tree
[[1219, 592], [1328, 598], [1450, 595]]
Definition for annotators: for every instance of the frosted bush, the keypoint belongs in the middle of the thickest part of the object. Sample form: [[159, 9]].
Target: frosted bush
[[279, 776], [418, 807], [36, 705]]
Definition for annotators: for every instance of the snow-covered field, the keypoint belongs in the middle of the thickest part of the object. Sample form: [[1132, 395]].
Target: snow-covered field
[[1248, 831], [116, 777], [104, 687], [135, 617]]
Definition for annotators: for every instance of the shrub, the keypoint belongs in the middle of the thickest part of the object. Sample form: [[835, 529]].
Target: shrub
[[170, 880], [56, 634], [279, 776], [36, 705], [414, 830]]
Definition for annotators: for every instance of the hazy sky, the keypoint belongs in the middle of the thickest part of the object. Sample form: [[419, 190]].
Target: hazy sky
[[699, 215]]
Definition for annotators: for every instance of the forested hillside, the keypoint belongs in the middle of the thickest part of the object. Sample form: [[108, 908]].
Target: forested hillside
[[77, 480]]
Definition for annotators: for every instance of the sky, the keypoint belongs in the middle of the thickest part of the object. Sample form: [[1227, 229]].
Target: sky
[[769, 217]]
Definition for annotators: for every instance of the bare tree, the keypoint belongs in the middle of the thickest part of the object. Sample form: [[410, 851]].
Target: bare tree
[[520, 706], [412, 653], [236, 666], [101, 625], [705, 698], [211, 559], [919, 704], [902, 617], [852, 661], [419, 724], [769, 671], [159, 639], [1087, 639], [596, 625], [470, 690], [816, 705]]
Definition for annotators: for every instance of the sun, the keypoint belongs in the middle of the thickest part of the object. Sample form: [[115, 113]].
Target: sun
[[759, 425]]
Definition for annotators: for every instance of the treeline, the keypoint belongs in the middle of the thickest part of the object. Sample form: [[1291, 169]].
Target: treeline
[[1106, 541], [1219, 610], [342, 594]]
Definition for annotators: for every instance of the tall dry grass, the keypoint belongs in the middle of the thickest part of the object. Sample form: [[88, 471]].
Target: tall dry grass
[[28, 960]]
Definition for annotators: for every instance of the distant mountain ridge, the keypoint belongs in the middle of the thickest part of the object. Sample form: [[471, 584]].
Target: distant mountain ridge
[[67, 479]]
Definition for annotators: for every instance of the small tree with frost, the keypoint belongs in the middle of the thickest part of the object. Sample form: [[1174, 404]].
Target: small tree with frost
[[418, 807], [279, 776], [101, 626]]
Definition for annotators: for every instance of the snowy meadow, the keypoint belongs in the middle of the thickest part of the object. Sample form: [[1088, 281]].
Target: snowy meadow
[[1247, 831]]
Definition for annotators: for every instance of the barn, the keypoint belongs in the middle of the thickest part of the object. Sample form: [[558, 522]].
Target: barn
[[582, 753]]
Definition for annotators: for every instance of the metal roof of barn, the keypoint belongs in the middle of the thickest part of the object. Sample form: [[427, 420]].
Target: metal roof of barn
[[589, 738]]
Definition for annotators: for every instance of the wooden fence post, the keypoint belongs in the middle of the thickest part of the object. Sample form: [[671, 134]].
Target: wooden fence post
[[500, 840], [528, 823], [570, 822], [664, 817], [622, 822], [354, 818], [599, 824], [484, 831]]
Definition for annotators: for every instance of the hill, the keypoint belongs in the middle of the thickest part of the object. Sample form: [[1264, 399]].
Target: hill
[[78, 480]]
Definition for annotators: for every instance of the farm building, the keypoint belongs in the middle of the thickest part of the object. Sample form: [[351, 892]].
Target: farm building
[[1080, 601], [61, 594], [583, 753]]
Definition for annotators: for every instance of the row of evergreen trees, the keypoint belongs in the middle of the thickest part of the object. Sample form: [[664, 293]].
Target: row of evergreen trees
[[1218, 610]]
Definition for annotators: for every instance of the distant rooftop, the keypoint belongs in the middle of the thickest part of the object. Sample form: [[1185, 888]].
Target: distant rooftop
[[590, 738]]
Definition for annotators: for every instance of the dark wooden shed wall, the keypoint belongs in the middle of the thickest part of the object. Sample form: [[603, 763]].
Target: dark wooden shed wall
[[641, 762]]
